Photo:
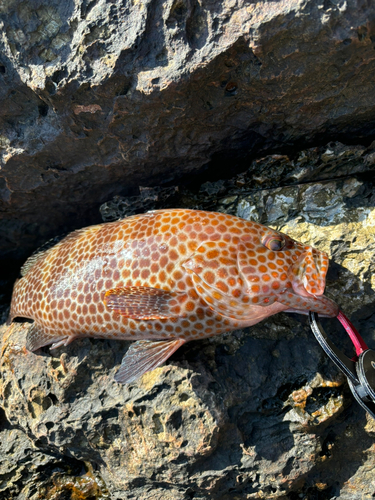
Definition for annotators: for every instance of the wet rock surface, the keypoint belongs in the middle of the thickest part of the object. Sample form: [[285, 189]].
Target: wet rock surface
[[98, 97], [258, 413]]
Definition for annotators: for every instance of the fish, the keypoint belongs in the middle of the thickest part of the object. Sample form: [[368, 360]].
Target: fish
[[164, 278]]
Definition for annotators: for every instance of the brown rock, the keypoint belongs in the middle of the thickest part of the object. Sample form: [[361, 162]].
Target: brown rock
[[100, 97], [259, 413]]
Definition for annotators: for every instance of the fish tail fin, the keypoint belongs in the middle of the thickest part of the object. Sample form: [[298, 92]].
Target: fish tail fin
[[13, 306]]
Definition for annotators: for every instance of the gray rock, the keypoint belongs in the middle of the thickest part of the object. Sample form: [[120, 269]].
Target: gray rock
[[258, 413], [26, 473], [99, 97]]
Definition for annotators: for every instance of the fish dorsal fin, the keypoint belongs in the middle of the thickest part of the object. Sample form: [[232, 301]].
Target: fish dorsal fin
[[143, 302], [144, 356], [40, 253], [31, 261], [218, 281], [37, 337]]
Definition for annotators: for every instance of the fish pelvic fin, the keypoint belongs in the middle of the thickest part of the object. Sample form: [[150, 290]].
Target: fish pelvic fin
[[142, 302], [37, 337], [144, 356]]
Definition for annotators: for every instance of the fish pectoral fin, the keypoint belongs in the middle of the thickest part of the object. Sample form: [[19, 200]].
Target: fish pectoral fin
[[143, 302], [144, 356], [37, 337]]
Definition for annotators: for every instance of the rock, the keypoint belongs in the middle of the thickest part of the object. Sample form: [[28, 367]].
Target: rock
[[258, 413], [26, 473], [100, 97], [209, 425]]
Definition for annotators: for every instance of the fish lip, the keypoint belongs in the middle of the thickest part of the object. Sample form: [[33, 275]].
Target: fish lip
[[300, 289], [333, 307], [309, 264]]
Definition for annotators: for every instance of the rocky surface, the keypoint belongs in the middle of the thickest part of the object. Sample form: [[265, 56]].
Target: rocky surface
[[256, 414], [98, 97]]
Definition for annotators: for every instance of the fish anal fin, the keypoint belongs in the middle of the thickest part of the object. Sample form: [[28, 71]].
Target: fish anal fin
[[37, 337], [142, 302], [9, 319], [144, 356]]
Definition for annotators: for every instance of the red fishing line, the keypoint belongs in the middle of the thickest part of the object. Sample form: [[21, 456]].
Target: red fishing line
[[358, 342]]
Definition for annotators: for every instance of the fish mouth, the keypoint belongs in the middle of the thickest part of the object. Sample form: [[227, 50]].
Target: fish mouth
[[307, 276], [322, 305], [308, 273]]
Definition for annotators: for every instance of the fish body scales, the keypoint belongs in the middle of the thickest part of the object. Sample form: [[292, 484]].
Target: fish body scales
[[167, 275]]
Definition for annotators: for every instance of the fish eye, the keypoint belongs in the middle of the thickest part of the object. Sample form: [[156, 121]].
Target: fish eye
[[274, 242]]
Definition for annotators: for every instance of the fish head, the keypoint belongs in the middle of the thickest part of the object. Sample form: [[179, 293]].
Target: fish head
[[308, 273], [284, 270]]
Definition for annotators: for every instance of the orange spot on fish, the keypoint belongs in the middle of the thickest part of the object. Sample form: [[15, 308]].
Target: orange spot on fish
[[222, 286], [213, 254]]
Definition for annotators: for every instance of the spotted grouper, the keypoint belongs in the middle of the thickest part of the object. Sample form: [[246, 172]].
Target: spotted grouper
[[164, 278]]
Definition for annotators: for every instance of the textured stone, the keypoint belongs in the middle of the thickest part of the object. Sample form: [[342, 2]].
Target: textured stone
[[98, 97], [26, 473], [259, 413]]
